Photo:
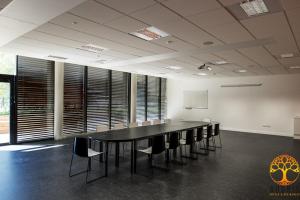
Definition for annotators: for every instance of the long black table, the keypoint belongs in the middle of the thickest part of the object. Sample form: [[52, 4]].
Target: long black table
[[135, 134]]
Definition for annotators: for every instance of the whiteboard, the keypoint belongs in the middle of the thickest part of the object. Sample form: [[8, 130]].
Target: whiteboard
[[195, 99]]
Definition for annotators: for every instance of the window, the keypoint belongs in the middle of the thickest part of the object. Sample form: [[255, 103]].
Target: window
[[74, 99], [119, 98], [141, 98], [97, 98], [153, 101], [7, 64], [151, 98], [35, 99]]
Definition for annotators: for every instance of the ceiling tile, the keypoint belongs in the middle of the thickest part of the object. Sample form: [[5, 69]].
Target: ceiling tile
[[294, 16], [229, 2], [275, 26], [94, 11], [212, 18], [174, 43], [230, 33], [260, 55], [206, 57], [188, 32], [156, 15], [127, 6], [294, 71], [278, 70], [236, 58], [126, 24], [191, 7], [290, 4]]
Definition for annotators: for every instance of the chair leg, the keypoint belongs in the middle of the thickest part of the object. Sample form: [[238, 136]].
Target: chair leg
[[70, 170], [220, 141], [88, 170]]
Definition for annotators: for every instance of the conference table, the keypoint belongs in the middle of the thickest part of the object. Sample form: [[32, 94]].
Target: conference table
[[132, 135]]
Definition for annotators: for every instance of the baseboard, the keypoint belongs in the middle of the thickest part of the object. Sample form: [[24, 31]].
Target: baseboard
[[257, 131]]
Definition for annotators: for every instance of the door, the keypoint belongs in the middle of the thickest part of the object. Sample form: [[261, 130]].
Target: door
[[7, 115]]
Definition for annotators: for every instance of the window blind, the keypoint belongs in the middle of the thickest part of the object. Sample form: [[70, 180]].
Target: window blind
[[153, 100], [141, 98], [97, 98], [35, 99], [74, 99]]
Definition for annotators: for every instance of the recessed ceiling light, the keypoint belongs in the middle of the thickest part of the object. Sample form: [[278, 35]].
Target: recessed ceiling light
[[254, 7], [150, 33], [169, 42], [287, 55], [74, 23], [221, 62], [294, 67], [102, 61], [202, 74], [241, 71], [174, 67]]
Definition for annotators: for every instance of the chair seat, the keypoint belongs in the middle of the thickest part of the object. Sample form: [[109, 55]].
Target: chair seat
[[167, 145], [182, 141], [146, 151], [92, 153]]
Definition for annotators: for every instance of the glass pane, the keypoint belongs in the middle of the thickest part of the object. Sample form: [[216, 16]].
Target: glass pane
[[7, 64], [4, 112]]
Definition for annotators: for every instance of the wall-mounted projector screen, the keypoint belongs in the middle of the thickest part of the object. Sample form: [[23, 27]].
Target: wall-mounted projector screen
[[195, 99]]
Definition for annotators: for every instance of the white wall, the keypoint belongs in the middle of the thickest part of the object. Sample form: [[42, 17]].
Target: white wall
[[249, 109]]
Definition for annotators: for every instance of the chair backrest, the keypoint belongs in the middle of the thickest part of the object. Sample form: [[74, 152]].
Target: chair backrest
[[206, 120], [174, 140], [133, 124], [156, 121], [217, 129], [209, 131], [146, 123], [102, 128], [80, 146], [118, 126], [199, 134], [189, 137], [158, 144], [167, 121]]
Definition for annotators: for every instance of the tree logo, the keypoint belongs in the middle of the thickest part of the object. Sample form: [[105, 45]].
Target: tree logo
[[284, 170]]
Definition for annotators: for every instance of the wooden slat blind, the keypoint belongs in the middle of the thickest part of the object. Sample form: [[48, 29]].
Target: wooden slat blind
[[163, 100], [97, 98], [153, 100], [141, 98], [74, 105], [119, 98], [35, 99]]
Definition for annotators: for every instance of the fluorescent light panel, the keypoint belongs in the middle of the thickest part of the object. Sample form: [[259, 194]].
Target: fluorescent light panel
[[287, 55], [254, 7], [92, 48], [149, 33], [174, 67], [294, 67]]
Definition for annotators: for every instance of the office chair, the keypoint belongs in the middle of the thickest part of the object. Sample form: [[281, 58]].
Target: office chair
[[189, 140], [81, 148], [172, 144], [157, 147], [217, 134], [133, 125], [156, 121], [210, 137], [146, 123]]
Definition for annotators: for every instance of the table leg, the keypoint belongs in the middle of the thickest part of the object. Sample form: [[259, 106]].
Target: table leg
[[134, 156], [117, 154], [106, 158], [101, 150]]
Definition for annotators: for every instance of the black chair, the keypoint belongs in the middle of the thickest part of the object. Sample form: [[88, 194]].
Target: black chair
[[157, 147], [81, 148], [172, 144], [189, 140], [210, 137], [199, 137], [217, 134]]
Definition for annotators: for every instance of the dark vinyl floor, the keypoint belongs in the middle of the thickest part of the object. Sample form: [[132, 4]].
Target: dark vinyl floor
[[238, 171]]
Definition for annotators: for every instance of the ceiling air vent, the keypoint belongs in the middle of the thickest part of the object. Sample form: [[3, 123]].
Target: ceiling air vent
[[57, 57], [254, 7], [92, 48]]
